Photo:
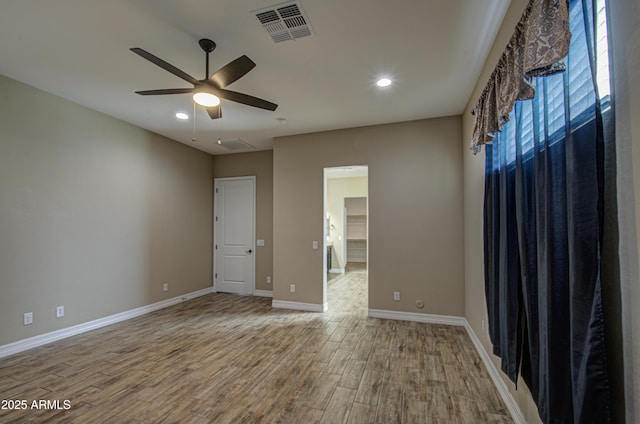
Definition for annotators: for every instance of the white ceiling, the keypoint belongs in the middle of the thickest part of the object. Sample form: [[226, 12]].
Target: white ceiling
[[79, 49]]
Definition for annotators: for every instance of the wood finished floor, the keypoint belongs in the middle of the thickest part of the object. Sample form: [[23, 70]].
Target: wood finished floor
[[232, 359]]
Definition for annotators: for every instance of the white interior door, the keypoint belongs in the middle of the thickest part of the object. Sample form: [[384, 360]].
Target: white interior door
[[234, 249]]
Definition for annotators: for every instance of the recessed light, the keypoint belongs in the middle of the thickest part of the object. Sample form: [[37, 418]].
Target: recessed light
[[181, 115], [383, 82]]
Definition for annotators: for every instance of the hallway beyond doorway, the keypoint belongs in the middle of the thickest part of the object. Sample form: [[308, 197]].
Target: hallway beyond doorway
[[349, 292]]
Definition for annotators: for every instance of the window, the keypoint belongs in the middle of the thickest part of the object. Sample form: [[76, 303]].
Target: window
[[602, 47], [544, 117]]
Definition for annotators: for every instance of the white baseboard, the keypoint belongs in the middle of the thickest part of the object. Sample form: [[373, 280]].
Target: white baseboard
[[504, 392], [336, 271], [412, 316], [42, 339], [263, 293], [299, 306]]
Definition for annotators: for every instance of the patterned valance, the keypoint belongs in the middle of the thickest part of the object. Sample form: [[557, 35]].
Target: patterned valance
[[537, 48]]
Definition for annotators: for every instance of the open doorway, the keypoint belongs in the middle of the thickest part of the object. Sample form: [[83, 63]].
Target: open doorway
[[346, 194]]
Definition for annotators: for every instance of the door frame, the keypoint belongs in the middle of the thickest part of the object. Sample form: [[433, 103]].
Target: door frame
[[251, 178]]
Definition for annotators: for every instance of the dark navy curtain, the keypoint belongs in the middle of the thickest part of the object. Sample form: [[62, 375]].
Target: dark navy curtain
[[543, 234]]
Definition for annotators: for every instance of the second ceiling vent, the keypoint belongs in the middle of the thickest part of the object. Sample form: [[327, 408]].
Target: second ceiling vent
[[284, 21]]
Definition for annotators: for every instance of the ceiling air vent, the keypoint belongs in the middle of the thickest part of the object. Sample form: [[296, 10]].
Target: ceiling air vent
[[236, 144], [284, 22]]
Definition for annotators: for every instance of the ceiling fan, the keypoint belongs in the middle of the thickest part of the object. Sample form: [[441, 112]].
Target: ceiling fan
[[208, 92]]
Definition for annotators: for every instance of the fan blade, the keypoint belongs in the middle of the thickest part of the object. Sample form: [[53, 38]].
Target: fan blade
[[232, 71], [246, 99], [215, 112], [165, 91], [164, 65]]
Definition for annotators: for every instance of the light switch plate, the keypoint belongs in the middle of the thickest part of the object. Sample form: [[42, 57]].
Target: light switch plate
[[315, 244], [260, 242]]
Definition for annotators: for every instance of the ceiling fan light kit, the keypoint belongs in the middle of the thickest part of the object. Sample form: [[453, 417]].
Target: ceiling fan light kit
[[208, 91], [204, 98]]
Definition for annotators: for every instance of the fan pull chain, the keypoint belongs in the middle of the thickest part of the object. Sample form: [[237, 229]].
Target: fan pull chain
[[194, 124], [219, 123]]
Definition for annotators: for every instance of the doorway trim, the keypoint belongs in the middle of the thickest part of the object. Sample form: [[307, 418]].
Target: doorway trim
[[252, 244]]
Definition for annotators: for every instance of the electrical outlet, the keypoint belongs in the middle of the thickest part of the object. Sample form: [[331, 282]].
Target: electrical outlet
[[268, 279], [314, 244], [59, 311], [396, 295], [165, 287], [292, 288], [28, 318]]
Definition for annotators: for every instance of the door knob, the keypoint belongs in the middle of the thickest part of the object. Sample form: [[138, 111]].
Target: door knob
[[248, 251]]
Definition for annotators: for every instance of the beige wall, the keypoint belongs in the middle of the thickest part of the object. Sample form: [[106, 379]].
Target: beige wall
[[415, 212], [625, 30], [260, 165], [337, 190], [625, 24], [95, 214]]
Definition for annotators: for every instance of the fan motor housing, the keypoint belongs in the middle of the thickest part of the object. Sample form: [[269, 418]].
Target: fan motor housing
[[207, 45]]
